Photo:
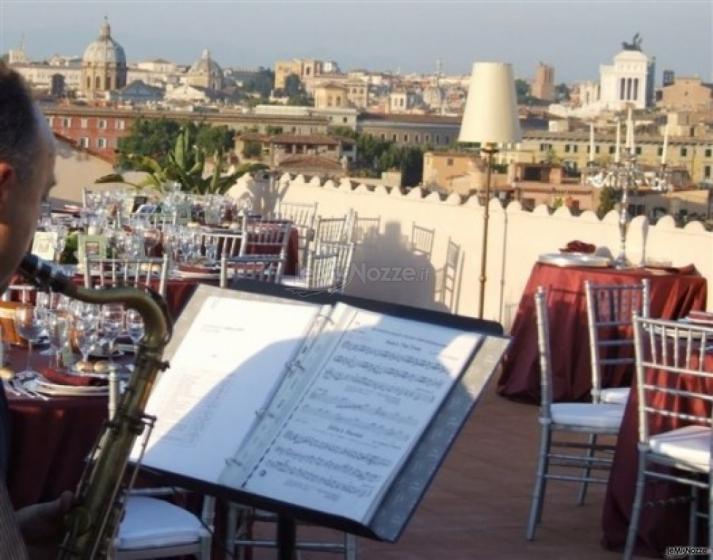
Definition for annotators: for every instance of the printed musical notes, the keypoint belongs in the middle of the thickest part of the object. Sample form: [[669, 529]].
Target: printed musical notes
[[366, 405]]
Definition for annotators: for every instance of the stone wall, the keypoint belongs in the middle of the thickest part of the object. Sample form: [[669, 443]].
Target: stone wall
[[388, 267]]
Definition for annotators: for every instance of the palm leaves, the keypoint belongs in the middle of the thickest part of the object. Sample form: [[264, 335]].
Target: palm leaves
[[186, 165]]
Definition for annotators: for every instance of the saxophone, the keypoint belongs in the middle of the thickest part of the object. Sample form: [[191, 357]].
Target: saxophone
[[94, 518]]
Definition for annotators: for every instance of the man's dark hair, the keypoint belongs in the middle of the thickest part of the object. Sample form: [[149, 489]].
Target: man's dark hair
[[18, 122]]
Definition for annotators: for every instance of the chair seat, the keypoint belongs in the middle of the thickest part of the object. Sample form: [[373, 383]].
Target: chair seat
[[587, 415], [153, 523], [691, 444], [615, 395]]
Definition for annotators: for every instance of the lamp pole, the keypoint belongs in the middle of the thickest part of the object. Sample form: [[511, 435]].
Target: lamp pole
[[490, 150]]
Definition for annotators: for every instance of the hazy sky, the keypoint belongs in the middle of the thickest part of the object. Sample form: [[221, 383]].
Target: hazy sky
[[573, 35]]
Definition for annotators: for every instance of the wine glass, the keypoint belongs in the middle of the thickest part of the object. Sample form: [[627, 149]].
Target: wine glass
[[112, 320], [134, 327], [58, 328], [27, 324], [43, 302], [85, 330]]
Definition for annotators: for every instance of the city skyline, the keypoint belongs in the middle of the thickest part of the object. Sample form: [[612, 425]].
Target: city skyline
[[574, 37]]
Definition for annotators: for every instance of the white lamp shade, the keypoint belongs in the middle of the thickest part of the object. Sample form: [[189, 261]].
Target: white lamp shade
[[491, 108]]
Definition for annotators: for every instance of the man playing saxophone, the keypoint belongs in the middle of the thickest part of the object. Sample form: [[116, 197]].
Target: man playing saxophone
[[27, 156]]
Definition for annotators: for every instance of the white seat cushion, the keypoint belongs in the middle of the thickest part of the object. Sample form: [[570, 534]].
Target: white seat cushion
[[615, 395], [691, 445], [153, 523], [596, 416]]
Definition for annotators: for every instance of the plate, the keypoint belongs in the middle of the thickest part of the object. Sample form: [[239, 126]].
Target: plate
[[40, 385], [574, 259]]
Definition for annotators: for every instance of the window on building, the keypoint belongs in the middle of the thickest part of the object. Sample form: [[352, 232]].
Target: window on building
[[575, 148], [84, 142], [707, 172], [339, 100], [438, 139], [417, 139], [107, 83], [660, 151], [684, 152], [449, 162], [98, 83], [638, 150], [636, 89], [612, 149], [446, 139], [101, 143], [383, 136], [428, 138], [120, 124], [566, 148], [66, 123], [344, 120], [83, 123], [622, 88], [393, 138], [89, 82], [50, 121], [405, 137], [596, 149], [102, 123], [709, 152]]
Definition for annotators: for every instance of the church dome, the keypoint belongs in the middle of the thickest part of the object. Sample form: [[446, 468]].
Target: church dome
[[206, 66], [104, 50]]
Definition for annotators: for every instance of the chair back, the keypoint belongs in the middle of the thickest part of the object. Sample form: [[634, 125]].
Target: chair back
[[674, 374], [301, 214], [365, 228], [264, 238], [331, 230], [422, 239], [322, 270], [610, 308], [138, 272], [543, 346], [262, 268], [216, 245], [344, 253]]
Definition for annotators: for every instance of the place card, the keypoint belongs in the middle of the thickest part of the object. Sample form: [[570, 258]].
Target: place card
[[91, 246], [43, 244]]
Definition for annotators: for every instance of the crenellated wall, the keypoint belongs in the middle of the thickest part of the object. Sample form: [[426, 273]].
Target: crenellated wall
[[387, 267]]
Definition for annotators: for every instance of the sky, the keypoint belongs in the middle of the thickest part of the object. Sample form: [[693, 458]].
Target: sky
[[575, 36]]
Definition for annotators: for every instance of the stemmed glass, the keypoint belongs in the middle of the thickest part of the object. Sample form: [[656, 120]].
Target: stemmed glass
[[112, 321], [58, 328], [134, 327], [85, 329], [42, 308], [27, 324]]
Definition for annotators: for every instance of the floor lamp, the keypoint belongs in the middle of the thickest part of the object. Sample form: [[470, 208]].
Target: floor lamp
[[490, 119]]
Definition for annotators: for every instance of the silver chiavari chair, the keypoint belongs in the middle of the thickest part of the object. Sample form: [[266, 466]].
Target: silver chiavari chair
[[610, 308], [345, 257], [332, 230], [262, 268], [138, 272], [364, 228], [674, 376], [217, 245], [302, 215], [319, 274], [568, 418]]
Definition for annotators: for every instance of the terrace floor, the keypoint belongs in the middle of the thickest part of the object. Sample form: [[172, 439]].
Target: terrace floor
[[478, 505]]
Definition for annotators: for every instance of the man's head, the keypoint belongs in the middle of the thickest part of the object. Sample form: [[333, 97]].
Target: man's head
[[27, 154]]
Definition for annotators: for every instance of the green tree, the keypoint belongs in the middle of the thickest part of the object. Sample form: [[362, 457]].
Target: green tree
[[344, 131], [609, 197], [149, 137], [561, 92], [522, 90], [252, 149], [262, 82], [273, 130], [215, 138], [293, 86]]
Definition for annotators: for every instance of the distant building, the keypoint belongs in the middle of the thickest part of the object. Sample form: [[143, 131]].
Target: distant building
[[205, 73], [279, 148], [411, 130], [137, 92], [303, 68], [331, 94], [103, 65], [543, 86], [402, 101], [668, 77], [687, 94]]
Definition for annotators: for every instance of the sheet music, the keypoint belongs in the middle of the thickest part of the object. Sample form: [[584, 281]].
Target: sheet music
[[222, 374], [378, 385]]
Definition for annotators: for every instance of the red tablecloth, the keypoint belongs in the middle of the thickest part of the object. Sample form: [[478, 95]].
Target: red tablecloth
[[673, 295], [659, 527], [49, 440]]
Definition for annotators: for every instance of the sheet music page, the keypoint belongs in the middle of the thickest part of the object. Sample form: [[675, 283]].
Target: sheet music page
[[380, 382], [222, 374]]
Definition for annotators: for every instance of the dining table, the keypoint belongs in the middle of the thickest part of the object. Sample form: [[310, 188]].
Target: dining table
[[673, 293], [659, 526]]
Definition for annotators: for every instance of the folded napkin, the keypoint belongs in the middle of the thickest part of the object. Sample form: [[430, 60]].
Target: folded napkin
[[62, 378], [579, 247]]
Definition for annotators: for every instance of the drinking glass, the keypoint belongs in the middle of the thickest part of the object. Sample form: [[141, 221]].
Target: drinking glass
[[43, 302], [59, 334], [87, 339], [28, 326], [112, 321], [134, 327]]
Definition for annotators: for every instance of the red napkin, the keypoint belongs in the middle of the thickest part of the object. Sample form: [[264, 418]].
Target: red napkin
[[579, 247], [60, 378]]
